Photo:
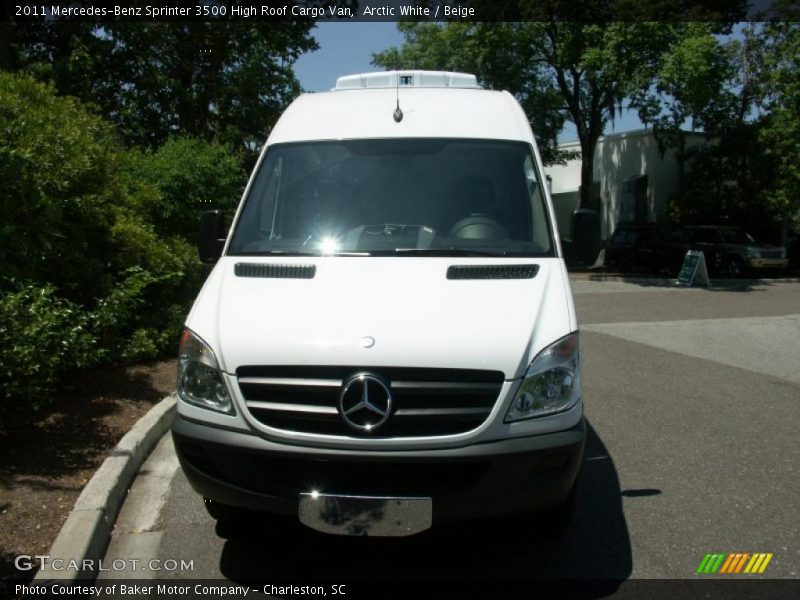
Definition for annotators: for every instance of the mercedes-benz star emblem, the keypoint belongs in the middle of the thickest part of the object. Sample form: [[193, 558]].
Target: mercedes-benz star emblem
[[365, 402]]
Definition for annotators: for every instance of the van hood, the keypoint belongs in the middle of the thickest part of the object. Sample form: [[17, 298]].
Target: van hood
[[383, 311]]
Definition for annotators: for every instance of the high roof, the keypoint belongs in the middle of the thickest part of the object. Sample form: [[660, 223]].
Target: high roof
[[366, 111]]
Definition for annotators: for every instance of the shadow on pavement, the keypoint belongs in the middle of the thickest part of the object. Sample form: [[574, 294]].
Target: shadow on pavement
[[596, 545]]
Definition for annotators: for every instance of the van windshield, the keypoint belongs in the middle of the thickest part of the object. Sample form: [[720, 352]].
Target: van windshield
[[392, 197]]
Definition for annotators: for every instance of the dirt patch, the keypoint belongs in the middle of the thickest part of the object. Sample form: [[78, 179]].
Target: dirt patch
[[47, 458]]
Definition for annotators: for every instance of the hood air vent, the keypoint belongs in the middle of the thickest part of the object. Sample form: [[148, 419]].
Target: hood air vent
[[492, 271], [275, 271]]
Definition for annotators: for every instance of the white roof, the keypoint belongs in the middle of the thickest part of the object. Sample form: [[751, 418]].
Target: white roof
[[366, 112]]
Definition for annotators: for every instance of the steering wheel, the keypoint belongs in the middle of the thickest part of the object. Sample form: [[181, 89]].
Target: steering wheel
[[478, 226]]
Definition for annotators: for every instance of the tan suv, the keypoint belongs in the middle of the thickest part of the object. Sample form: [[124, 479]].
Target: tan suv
[[732, 252]]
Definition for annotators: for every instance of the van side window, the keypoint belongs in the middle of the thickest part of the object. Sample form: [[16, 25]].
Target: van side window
[[536, 201]]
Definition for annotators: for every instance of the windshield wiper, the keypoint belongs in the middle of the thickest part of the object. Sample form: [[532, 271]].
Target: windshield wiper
[[442, 252], [300, 253], [278, 253], [395, 252]]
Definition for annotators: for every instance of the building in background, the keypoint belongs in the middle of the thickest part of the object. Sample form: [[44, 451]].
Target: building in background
[[632, 180]]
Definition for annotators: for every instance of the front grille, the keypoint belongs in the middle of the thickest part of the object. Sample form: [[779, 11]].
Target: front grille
[[426, 402], [772, 254]]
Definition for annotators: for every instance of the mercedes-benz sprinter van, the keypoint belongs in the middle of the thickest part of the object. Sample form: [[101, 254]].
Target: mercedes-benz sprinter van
[[388, 337]]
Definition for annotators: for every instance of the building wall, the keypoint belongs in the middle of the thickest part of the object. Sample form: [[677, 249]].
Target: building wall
[[618, 157]]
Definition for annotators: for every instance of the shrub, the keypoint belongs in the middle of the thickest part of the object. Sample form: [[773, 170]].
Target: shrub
[[191, 175], [56, 160], [44, 337], [97, 256]]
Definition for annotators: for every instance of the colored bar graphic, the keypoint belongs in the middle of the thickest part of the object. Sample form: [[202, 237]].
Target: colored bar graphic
[[766, 562], [737, 557], [730, 563], [703, 563], [734, 562], [752, 563], [702, 567], [727, 564], [717, 563], [741, 562]]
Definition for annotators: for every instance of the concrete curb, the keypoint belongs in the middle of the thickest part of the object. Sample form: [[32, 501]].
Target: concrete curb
[[84, 536]]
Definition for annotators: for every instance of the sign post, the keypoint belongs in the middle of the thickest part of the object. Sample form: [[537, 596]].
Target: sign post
[[693, 269]]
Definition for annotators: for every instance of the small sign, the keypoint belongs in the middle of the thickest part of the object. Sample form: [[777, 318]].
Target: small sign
[[693, 269]]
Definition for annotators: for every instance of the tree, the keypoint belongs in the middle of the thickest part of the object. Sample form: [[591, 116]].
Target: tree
[[224, 80], [749, 107], [498, 54], [596, 66], [576, 70], [780, 131], [190, 176], [56, 160], [691, 84]]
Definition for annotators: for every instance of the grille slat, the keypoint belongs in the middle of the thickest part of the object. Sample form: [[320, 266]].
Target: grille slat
[[286, 381], [285, 407], [426, 402]]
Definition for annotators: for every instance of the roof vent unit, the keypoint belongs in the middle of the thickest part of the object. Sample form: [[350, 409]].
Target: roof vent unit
[[407, 79]]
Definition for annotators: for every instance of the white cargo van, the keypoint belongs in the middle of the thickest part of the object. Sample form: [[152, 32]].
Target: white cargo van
[[388, 337]]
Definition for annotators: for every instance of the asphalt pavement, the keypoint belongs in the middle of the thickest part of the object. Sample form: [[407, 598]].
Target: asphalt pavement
[[693, 402]]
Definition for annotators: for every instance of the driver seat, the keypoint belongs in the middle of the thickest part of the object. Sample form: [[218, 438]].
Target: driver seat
[[475, 213]]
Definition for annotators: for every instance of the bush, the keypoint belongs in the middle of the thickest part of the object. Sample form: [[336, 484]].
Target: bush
[[191, 175], [44, 337], [56, 162], [97, 244]]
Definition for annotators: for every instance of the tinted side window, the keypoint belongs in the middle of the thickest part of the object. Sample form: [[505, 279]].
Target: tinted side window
[[707, 236]]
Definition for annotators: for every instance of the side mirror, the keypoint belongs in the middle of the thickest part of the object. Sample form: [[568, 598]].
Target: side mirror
[[212, 236]]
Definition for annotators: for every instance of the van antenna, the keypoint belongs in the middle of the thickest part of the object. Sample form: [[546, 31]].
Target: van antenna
[[398, 114]]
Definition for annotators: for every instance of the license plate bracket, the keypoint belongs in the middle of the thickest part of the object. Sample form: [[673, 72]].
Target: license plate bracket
[[365, 515]]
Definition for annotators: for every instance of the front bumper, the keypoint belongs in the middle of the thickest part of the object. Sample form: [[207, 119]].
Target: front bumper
[[768, 263], [479, 480]]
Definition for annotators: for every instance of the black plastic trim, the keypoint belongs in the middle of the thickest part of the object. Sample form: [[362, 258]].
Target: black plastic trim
[[274, 271], [492, 271]]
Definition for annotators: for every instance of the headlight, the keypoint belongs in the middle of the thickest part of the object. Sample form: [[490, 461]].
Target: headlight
[[199, 378], [552, 382], [753, 252]]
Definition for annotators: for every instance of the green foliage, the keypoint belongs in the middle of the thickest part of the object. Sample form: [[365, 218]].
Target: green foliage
[[44, 338], [225, 80], [723, 180], [498, 54], [56, 162], [748, 174], [557, 68], [689, 84], [96, 248], [189, 176], [780, 131]]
